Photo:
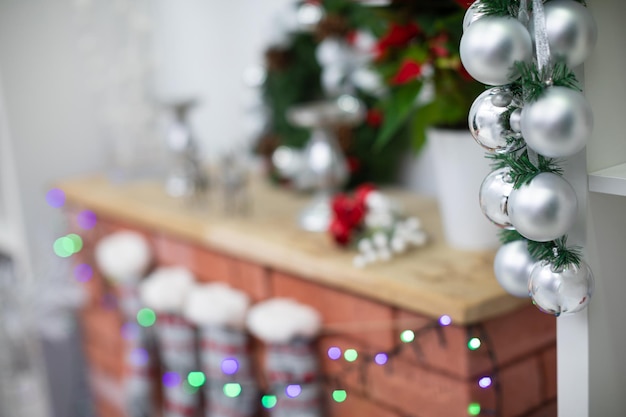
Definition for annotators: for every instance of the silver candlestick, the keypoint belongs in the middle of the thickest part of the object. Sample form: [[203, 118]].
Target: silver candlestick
[[323, 160], [187, 177]]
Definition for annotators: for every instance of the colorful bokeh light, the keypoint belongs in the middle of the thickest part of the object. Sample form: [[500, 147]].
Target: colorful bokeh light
[[146, 317], [445, 320], [232, 390], [77, 242], [130, 331], [340, 395], [473, 409], [484, 382], [171, 379], [230, 366], [86, 219], [407, 336], [381, 358], [55, 198], [334, 353], [63, 247], [474, 343], [269, 401], [196, 379], [83, 272], [292, 391], [139, 357], [350, 355]]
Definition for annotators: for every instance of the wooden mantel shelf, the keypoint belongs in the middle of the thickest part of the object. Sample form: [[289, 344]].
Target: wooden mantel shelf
[[433, 280]]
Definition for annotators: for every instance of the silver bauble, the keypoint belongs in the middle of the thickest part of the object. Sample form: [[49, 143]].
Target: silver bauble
[[472, 14], [558, 124], [512, 266], [572, 31], [544, 209], [563, 291], [515, 120], [331, 52], [490, 47], [485, 120], [493, 197]]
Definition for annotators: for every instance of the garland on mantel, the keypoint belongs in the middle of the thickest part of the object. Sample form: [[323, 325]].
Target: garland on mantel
[[541, 117]]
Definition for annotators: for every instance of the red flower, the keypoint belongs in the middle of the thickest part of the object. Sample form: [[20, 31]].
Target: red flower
[[409, 71], [351, 37], [348, 211], [340, 232], [438, 45], [396, 36], [374, 117], [360, 194]]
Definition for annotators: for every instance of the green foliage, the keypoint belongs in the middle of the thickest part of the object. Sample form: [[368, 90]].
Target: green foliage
[[522, 169], [499, 7], [556, 252], [533, 83], [294, 84], [397, 109], [508, 236]]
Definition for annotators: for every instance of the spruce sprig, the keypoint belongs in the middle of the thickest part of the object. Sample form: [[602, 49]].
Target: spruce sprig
[[556, 252], [499, 7], [508, 236], [534, 82], [522, 170]]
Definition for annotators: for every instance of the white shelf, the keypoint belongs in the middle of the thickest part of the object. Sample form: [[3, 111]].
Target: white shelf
[[610, 180]]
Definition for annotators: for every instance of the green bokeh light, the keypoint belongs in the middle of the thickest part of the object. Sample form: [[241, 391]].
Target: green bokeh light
[[77, 242], [146, 317], [196, 379], [232, 389], [63, 247], [351, 355], [340, 395], [407, 336], [269, 401], [474, 343], [473, 409]]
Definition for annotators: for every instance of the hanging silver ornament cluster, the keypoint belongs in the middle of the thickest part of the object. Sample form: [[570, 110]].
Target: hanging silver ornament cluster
[[522, 129]]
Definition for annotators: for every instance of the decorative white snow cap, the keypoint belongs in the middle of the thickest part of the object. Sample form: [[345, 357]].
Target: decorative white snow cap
[[123, 256], [166, 289], [281, 320], [217, 305]]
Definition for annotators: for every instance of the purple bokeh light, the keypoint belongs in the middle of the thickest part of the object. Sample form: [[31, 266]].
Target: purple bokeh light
[[55, 198], [139, 357], [293, 391], [334, 353], [445, 320], [83, 272], [484, 382], [130, 331], [171, 379], [381, 358], [86, 219], [230, 366]]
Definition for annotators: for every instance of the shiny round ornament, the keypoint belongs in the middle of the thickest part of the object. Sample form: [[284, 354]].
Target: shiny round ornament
[[515, 121], [558, 124], [512, 267], [572, 31], [472, 14], [544, 209], [494, 195], [563, 291], [486, 122], [490, 47]]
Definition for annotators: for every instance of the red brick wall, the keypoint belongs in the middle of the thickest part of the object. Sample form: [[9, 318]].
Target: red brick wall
[[518, 349]]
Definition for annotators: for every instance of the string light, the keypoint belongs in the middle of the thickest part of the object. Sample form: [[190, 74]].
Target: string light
[[473, 409], [230, 366], [83, 272], [407, 336], [474, 343], [86, 219], [445, 320], [292, 391], [350, 355], [171, 379], [146, 317], [484, 382], [381, 358], [232, 390], [196, 379], [340, 395], [334, 353], [55, 198], [269, 401]]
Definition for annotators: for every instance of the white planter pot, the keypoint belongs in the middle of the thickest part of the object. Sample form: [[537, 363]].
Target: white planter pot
[[460, 167]]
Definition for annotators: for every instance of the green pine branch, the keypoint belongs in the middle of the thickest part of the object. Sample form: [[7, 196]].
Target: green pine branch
[[508, 236], [499, 7], [556, 252], [533, 82], [522, 170]]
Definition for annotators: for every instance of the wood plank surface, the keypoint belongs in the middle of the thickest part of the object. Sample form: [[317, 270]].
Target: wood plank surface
[[433, 280]]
